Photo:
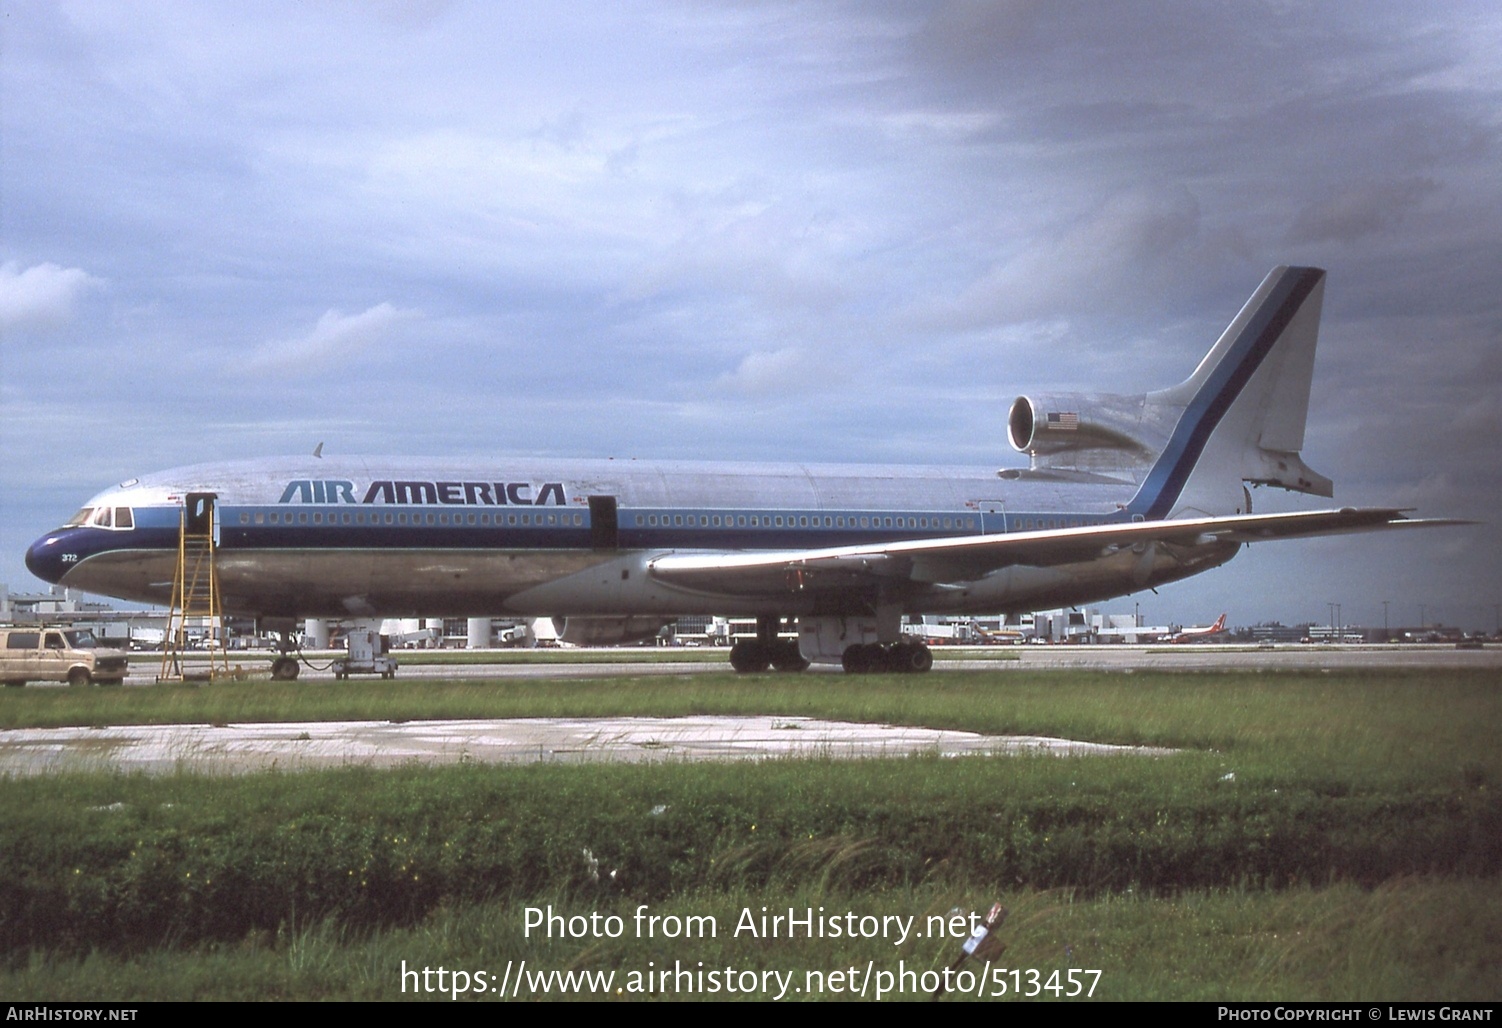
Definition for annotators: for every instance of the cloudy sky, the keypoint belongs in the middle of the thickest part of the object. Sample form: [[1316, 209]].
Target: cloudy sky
[[762, 230]]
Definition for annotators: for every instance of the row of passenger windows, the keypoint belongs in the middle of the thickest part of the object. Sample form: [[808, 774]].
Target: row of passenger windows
[[576, 519], [1034, 524], [801, 521], [302, 517]]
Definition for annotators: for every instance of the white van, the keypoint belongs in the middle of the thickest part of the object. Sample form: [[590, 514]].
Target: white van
[[58, 655]]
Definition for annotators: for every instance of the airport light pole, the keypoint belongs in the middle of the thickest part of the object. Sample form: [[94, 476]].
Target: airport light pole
[[1386, 632]]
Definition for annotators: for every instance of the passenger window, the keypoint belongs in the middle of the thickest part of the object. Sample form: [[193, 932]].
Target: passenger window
[[55, 641], [22, 641]]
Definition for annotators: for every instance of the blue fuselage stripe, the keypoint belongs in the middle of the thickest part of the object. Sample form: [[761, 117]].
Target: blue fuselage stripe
[[303, 527]]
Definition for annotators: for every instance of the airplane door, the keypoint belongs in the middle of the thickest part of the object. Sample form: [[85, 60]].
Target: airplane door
[[603, 523], [199, 514]]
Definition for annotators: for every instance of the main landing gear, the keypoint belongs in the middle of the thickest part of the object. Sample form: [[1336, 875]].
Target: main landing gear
[[898, 657], [824, 638], [766, 650]]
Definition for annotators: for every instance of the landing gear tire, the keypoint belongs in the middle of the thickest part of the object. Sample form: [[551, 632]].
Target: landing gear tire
[[284, 669], [787, 658], [858, 659], [896, 658], [749, 657], [914, 658]]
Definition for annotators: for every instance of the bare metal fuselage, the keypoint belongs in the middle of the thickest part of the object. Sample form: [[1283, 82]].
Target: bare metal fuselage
[[357, 537]]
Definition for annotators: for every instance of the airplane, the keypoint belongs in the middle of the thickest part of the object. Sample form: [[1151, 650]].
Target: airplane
[[1185, 635], [1120, 493]]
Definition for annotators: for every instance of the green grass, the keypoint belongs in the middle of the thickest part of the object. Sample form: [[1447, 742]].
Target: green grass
[[1411, 939], [1330, 724], [1320, 835]]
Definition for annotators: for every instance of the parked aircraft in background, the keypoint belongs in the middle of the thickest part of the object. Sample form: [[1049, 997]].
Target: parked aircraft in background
[[1121, 493], [1185, 635]]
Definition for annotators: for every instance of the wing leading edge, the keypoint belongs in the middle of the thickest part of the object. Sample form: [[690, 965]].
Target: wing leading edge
[[966, 558]]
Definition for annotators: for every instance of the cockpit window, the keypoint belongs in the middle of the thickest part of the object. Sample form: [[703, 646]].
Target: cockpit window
[[117, 518]]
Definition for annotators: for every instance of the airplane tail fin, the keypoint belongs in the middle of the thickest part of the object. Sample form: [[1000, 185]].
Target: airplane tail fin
[[1239, 418]]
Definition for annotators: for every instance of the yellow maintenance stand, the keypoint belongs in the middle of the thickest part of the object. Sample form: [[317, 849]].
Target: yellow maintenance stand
[[195, 596]]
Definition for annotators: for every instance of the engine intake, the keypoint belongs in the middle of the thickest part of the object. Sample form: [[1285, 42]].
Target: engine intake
[[1044, 425]]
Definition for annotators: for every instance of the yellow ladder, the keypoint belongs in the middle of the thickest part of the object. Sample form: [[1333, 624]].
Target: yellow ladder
[[195, 593]]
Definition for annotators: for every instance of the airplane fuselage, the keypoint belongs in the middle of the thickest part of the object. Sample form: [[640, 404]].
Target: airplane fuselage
[[336, 537]]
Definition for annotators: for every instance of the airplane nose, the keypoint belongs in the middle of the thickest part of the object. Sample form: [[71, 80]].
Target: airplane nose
[[45, 560]]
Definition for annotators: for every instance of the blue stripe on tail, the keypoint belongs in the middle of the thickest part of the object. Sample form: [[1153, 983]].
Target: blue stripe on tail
[[1220, 391]]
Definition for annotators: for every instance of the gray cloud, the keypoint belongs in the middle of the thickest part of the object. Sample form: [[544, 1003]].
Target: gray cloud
[[1359, 210]]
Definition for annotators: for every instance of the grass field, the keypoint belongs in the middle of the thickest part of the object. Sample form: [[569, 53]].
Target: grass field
[[1320, 836]]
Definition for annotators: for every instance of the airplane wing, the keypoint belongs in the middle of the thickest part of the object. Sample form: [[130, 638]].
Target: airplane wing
[[963, 559]]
